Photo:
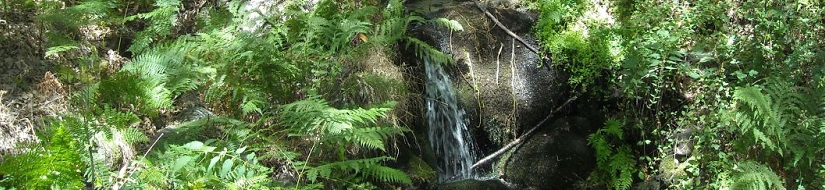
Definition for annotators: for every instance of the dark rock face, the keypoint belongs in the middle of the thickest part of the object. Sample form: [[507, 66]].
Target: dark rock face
[[474, 185], [554, 158], [504, 87]]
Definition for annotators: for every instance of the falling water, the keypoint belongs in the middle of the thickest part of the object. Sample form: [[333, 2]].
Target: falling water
[[448, 132]]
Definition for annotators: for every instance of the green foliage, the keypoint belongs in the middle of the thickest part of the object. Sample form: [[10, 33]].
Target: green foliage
[[167, 65], [752, 175], [54, 163], [579, 45], [246, 76], [615, 164], [338, 129], [197, 165], [365, 168], [744, 74], [83, 13], [585, 58], [425, 51], [313, 117], [159, 24], [127, 89], [759, 119]]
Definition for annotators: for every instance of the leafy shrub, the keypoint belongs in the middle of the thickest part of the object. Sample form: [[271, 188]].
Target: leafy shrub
[[584, 51]]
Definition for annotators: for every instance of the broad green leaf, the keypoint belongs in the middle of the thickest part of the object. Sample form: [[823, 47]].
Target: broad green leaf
[[212, 163], [194, 145], [240, 150], [227, 166], [181, 162], [694, 75]]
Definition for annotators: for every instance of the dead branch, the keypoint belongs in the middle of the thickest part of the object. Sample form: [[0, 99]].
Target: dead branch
[[495, 20], [521, 138]]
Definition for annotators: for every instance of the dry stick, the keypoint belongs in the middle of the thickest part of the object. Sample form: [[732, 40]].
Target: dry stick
[[125, 169], [505, 28], [498, 63], [520, 139]]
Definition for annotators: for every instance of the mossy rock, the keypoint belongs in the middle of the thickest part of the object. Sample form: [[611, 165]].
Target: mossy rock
[[473, 184], [420, 171]]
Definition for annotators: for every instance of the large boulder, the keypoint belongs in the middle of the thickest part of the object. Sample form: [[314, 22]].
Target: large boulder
[[504, 87], [556, 157]]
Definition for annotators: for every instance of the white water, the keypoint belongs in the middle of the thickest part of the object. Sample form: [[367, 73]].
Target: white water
[[448, 132]]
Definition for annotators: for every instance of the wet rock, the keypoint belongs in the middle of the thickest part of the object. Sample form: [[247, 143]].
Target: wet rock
[[504, 87], [683, 146], [554, 158], [474, 184], [648, 185]]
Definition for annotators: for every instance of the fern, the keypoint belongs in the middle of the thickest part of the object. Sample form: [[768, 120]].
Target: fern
[[614, 164], [313, 117], [754, 176], [367, 168], [123, 89], [453, 25], [161, 20], [56, 164], [84, 13], [758, 118], [425, 51], [198, 164]]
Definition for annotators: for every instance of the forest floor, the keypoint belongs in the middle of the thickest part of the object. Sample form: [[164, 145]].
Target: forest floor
[[29, 92]]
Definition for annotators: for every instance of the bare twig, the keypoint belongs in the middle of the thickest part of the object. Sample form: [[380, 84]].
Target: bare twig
[[498, 63], [123, 175], [521, 138]]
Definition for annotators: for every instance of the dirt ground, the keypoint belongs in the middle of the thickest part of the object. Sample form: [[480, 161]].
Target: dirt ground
[[29, 92]]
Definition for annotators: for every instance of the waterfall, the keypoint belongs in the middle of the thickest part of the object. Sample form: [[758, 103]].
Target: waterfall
[[448, 132]]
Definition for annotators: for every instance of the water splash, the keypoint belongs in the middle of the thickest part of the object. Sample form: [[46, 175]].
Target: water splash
[[448, 132]]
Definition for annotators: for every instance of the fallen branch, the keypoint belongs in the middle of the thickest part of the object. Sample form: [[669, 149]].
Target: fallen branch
[[521, 138], [505, 28]]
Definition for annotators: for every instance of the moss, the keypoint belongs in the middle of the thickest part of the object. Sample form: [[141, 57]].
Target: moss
[[420, 170]]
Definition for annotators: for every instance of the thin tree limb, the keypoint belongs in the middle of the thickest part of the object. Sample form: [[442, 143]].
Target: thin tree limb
[[521, 138], [495, 20], [125, 174]]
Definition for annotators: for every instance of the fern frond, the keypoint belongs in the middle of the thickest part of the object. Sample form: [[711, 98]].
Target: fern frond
[[373, 137], [387, 174], [369, 167], [447, 23], [427, 52], [53, 51], [759, 118], [133, 135], [754, 176]]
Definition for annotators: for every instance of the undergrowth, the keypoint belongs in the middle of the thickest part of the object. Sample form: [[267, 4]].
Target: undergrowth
[[268, 86]]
